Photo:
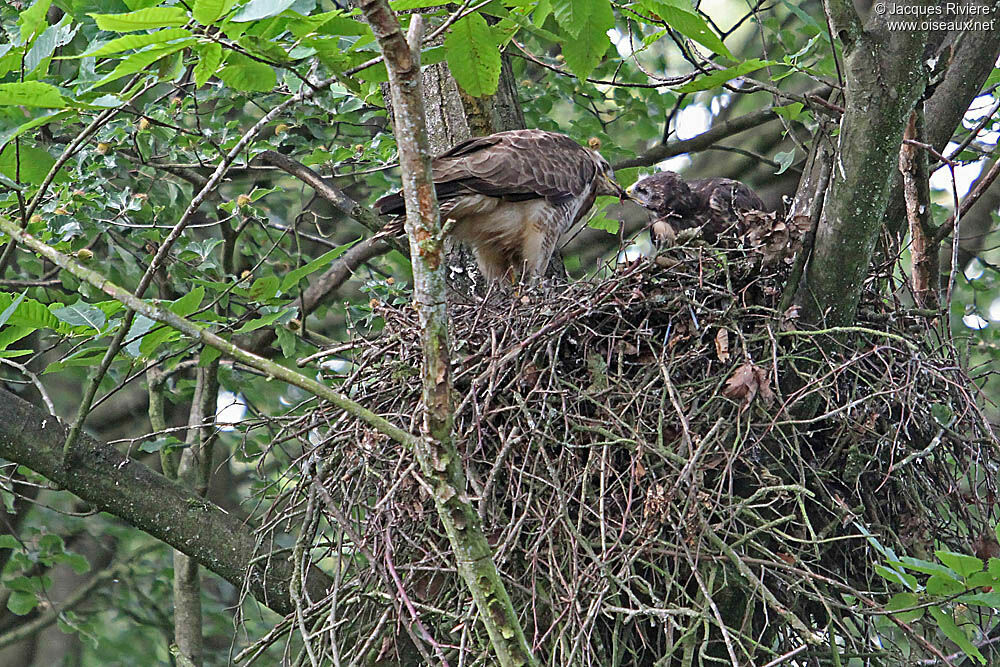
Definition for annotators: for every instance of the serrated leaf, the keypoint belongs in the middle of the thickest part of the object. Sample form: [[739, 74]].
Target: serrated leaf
[[33, 18], [207, 12], [32, 94], [956, 634], [905, 601], [718, 78], [137, 62], [577, 17], [473, 55], [963, 564], [143, 19], [684, 20], [81, 314], [584, 53], [46, 44], [128, 42], [298, 274], [256, 10], [248, 75], [209, 59]]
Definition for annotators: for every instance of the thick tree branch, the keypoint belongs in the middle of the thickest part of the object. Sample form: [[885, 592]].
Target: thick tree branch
[[113, 483], [324, 189], [916, 192], [436, 452], [885, 76]]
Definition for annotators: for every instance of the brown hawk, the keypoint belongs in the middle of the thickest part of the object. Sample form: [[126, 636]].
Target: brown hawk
[[511, 195], [713, 204]]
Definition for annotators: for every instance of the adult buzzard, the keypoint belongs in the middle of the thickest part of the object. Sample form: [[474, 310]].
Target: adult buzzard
[[512, 194], [713, 204]]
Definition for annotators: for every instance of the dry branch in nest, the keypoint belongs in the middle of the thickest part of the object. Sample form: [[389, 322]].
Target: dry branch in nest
[[668, 470]]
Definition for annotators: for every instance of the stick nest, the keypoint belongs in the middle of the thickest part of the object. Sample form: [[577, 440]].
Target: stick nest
[[668, 468]]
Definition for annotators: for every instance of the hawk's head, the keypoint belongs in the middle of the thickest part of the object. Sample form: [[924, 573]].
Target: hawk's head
[[664, 193], [606, 184]]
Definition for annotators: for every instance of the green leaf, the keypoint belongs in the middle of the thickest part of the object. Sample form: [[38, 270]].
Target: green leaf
[[31, 313], [896, 576], [209, 59], [267, 320], [473, 55], [209, 11], [956, 634], [298, 274], [137, 62], [256, 10], [166, 442], [926, 567], [681, 17], [905, 601], [32, 94], [33, 18], [584, 54], [188, 304], [784, 160], [21, 602], [207, 356], [141, 326], [264, 288], [579, 17], [718, 78], [248, 75], [941, 585], [44, 118], [81, 314], [9, 310], [128, 42], [34, 164], [991, 599], [143, 19], [287, 341], [963, 564]]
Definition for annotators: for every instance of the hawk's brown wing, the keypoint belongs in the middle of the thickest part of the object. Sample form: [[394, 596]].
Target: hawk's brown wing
[[513, 166], [725, 196]]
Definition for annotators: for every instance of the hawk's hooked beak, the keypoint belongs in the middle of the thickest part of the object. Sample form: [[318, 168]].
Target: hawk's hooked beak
[[617, 189]]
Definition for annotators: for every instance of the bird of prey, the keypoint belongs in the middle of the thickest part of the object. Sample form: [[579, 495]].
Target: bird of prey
[[510, 196], [713, 204]]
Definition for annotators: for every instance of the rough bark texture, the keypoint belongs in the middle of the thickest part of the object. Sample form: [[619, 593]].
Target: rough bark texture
[[113, 483], [916, 192], [439, 459], [884, 77], [970, 57]]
